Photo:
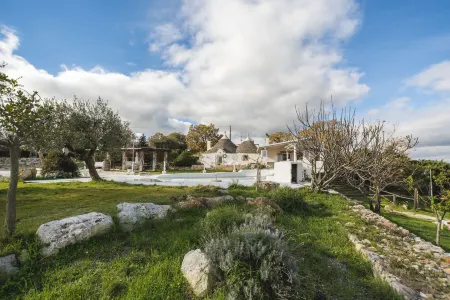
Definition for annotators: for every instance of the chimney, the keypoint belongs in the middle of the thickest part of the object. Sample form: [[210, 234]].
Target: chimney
[[208, 145], [267, 141]]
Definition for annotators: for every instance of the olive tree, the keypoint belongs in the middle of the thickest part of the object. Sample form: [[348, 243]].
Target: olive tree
[[18, 120], [84, 127]]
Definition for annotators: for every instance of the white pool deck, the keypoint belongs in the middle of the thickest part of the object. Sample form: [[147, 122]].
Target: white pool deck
[[221, 179]]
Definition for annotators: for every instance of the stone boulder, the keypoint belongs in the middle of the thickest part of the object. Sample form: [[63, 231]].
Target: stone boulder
[[192, 202], [197, 271], [135, 214], [8, 264], [56, 235], [27, 174]]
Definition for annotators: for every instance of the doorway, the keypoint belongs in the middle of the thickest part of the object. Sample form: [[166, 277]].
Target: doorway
[[294, 173]]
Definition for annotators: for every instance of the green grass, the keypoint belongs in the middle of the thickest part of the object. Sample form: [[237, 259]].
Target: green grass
[[422, 228], [145, 264]]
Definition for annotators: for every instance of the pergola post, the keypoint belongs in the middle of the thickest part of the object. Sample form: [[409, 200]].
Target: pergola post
[[165, 162], [141, 160], [124, 160], [155, 159]]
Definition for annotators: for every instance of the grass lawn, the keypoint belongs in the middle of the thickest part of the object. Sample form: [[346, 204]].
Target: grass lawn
[[145, 264], [424, 229]]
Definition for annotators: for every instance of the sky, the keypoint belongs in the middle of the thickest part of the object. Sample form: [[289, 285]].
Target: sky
[[166, 64]]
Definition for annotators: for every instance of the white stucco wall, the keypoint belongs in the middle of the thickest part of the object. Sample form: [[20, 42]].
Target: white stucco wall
[[210, 159], [283, 171]]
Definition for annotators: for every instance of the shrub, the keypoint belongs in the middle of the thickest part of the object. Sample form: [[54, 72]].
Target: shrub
[[234, 184], [185, 159], [253, 262], [59, 165], [223, 219], [287, 198]]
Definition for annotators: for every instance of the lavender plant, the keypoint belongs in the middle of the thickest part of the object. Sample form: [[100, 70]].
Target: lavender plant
[[253, 261]]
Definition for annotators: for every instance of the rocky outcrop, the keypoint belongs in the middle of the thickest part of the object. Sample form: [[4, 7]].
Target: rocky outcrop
[[56, 235], [415, 268], [196, 269], [192, 201], [8, 264], [132, 215]]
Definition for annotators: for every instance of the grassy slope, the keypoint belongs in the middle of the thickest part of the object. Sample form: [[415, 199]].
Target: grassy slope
[[145, 264]]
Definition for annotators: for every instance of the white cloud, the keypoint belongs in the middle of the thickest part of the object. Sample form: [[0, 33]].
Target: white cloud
[[399, 102], [164, 35], [245, 64], [131, 64], [180, 126], [427, 121], [436, 77]]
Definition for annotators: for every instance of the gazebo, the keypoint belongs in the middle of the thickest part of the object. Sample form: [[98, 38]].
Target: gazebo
[[140, 153]]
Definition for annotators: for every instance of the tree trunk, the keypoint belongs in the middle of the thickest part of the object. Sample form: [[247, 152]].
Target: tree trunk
[[438, 232], [10, 220], [416, 198], [377, 199], [90, 164], [41, 156]]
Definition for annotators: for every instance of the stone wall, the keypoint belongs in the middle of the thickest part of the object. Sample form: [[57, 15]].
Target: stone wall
[[5, 163]]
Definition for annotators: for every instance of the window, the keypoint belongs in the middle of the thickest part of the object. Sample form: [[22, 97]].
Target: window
[[219, 160], [264, 153], [244, 157]]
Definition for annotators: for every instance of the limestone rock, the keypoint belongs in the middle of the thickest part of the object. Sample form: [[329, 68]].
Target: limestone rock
[[58, 234], [135, 214], [224, 192], [196, 269], [218, 200], [8, 264], [28, 174], [192, 201]]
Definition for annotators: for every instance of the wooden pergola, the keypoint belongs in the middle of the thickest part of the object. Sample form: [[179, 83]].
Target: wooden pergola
[[140, 153]]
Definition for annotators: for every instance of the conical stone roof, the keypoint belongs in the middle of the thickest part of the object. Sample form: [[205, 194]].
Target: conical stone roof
[[225, 144], [247, 146]]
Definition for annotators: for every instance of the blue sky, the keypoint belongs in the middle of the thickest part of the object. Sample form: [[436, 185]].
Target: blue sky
[[215, 61], [396, 40]]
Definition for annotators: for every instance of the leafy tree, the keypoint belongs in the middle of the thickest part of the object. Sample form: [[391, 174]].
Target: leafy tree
[[185, 159], [142, 142], [159, 140], [180, 140], [18, 121], [279, 137], [85, 127], [199, 134]]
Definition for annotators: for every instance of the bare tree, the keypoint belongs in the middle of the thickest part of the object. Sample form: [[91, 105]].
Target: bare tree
[[384, 159], [330, 141]]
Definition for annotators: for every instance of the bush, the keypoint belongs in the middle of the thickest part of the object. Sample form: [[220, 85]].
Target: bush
[[234, 184], [253, 262], [287, 198], [185, 159], [59, 165], [222, 219]]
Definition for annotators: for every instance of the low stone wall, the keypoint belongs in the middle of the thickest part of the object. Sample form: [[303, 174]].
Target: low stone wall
[[24, 163], [413, 267]]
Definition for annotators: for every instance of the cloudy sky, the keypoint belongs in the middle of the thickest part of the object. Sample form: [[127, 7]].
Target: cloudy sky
[[165, 64]]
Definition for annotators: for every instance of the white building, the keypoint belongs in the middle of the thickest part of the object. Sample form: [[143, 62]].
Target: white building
[[289, 165], [225, 152]]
